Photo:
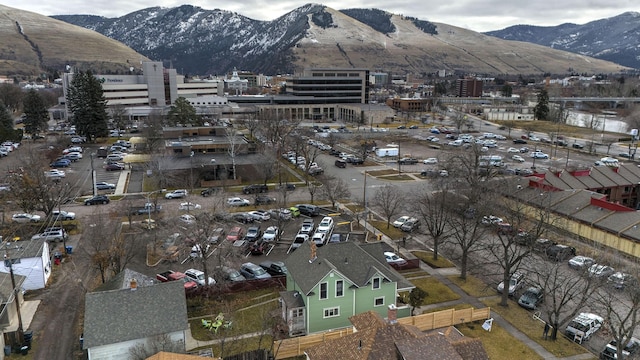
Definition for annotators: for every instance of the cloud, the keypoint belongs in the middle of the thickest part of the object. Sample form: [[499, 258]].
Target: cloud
[[475, 15]]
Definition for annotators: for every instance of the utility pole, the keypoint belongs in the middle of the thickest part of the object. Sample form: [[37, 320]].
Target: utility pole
[[9, 263], [93, 177]]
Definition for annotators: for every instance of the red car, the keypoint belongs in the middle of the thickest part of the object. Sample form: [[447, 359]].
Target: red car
[[236, 233]]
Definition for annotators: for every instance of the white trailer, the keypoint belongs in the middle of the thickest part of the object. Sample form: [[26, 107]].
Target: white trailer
[[387, 152]]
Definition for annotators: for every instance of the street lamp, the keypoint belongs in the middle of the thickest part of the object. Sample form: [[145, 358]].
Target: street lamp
[[152, 206]]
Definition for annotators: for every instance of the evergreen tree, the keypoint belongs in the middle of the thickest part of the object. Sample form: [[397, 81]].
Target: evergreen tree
[[6, 124], [541, 110], [35, 111], [88, 106], [183, 113]]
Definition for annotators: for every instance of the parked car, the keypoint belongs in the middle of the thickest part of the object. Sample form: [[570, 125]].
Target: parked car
[[189, 206], [584, 325], [236, 233], [236, 201], [270, 233], [232, 275], [25, 218], [60, 163], [325, 225], [63, 215], [264, 200], [114, 167], [274, 268], [319, 238], [610, 351], [252, 271], [516, 281], [243, 217], [98, 199], [407, 161], [187, 219], [430, 161], [340, 163], [255, 189], [539, 155], [519, 141], [198, 277], [531, 298], [209, 191], [620, 280], [260, 215], [105, 186], [401, 220], [560, 252], [581, 262], [176, 194], [307, 227], [517, 158], [394, 260], [600, 271], [53, 234], [308, 210], [299, 240], [253, 233], [410, 225]]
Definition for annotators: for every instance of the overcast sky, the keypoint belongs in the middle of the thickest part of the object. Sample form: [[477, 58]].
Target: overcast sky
[[478, 15]]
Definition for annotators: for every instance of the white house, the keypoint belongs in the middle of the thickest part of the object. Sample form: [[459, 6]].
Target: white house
[[29, 258], [117, 320]]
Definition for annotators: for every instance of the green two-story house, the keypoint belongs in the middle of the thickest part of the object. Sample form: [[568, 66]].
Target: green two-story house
[[342, 280]]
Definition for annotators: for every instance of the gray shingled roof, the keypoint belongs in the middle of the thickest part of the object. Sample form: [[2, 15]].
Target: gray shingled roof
[[123, 280], [347, 258], [120, 315], [25, 248], [6, 288]]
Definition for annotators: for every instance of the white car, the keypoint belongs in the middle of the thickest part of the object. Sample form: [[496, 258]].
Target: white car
[[55, 174], [517, 158], [188, 206], [270, 233], [319, 238], [392, 258], [25, 218], [176, 194], [236, 201], [115, 157], [105, 186], [401, 220], [259, 215], [430, 161], [513, 150], [187, 219], [539, 155]]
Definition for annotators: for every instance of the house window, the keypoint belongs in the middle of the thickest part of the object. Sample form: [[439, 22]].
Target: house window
[[378, 301], [323, 291], [339, 288], [376, 283], [295, 313], [332, 312]]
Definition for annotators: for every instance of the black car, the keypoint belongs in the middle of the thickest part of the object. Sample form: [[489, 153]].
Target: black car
[[264, 200], [243, 218], [209, 191], [255, 189], [519, 141], [624, 155], [355, 161], [308, 210], [334, 152], [98, 199], [560, 252], [287, 187], [531, 298]]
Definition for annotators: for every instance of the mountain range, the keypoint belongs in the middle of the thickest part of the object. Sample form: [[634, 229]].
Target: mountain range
[[196, 41], [615, 39]]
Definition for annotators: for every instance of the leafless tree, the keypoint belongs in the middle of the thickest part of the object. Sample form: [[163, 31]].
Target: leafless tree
[[32, 190], [390, 200], [565, 292], [267, 166], [119, 115], [333, 189], [152, 132], [435, 211], [251, 122], [620, 306], [466, 235], [110, 251], [232, 148]]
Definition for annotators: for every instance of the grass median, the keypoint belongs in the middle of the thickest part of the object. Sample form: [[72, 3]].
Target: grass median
[[524, 321]]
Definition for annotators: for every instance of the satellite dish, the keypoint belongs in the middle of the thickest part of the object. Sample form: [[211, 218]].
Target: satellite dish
[[131, 69], [68, 67]]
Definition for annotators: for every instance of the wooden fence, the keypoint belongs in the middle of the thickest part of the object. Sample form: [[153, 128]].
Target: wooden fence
[[296, 346]]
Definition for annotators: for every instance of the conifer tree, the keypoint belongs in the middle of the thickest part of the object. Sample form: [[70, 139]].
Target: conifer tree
[[88, 106], [35, 111]]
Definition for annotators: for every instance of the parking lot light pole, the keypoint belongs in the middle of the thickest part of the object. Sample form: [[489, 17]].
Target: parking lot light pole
[[150, 204], [93, 176]]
